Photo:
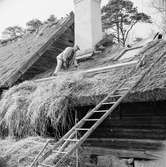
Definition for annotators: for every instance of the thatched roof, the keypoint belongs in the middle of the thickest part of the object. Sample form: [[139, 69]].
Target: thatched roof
[[94, 85], [35, 106], [16, 57]]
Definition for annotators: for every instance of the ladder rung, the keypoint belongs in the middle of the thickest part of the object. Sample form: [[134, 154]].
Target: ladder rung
[[107, 103], [84, 129], [44, 165], [101, 111], [71, 140], [59, 152], [91, 119]]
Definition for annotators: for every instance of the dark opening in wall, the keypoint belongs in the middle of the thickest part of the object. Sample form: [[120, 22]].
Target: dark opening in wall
[[60, 129]]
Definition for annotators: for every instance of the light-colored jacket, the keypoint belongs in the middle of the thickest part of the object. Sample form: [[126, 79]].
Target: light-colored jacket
[[66, 55]]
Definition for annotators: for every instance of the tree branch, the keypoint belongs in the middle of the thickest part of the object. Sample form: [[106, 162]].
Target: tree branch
[[127, 32]]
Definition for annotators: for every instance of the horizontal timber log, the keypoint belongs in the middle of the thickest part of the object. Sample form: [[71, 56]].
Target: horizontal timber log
[[138, 122], [141, 154], [157, 134], [127, 144], [101, 69]]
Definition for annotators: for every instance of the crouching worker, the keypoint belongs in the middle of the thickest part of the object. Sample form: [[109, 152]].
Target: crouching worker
[[66, 58]]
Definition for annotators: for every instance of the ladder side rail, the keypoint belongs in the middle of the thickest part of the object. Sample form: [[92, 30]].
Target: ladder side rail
[[81, 123], [60, 149], [66, 142], [37, 157], [119, 101], [93, 128], [106, 114]]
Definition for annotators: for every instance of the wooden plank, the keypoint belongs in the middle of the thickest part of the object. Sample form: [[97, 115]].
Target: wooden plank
[[125, 143], [142, 154], [101, 69], [83, 52], [157, 134], [136, 123], [125, 140], [85, 56], [111, 66]]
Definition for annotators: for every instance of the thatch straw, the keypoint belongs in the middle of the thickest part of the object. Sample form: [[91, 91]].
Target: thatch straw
[[29, 110], [17, 55], [22, 152], [43, 108]]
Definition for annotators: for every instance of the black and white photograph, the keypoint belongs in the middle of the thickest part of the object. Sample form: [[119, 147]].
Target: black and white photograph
[[82, 83]]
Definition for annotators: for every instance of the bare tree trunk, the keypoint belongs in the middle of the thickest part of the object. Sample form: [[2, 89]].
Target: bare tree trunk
[[122, 32], [117, 23], [118, 33]]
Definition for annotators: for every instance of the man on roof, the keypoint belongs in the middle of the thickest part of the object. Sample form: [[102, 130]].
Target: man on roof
[[66, 58]]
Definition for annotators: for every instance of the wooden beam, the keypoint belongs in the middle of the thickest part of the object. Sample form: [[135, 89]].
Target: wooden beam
[[138, 122], [125, 140], [140, 154], [107, 132], [107, 68], [125, 143], [95, 70], [126, 50], [84, 57]]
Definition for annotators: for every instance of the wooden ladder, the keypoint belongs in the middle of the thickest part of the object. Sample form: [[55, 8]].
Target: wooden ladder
[[112, 100]]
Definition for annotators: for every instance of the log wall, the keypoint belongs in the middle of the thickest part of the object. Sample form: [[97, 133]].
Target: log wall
[[134, 130]]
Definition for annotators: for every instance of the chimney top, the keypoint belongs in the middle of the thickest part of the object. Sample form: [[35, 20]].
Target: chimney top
[[88, 26]]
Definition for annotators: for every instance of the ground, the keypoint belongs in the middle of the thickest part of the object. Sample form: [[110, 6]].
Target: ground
[[21, 153]]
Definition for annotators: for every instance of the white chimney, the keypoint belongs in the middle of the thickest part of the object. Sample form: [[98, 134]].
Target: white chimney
[[88, 26]]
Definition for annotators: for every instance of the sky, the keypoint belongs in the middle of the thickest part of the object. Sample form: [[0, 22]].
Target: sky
[[18, 12], [146, 30]]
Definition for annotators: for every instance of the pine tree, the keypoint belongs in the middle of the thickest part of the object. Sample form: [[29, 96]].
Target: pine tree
[[121, 16]]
